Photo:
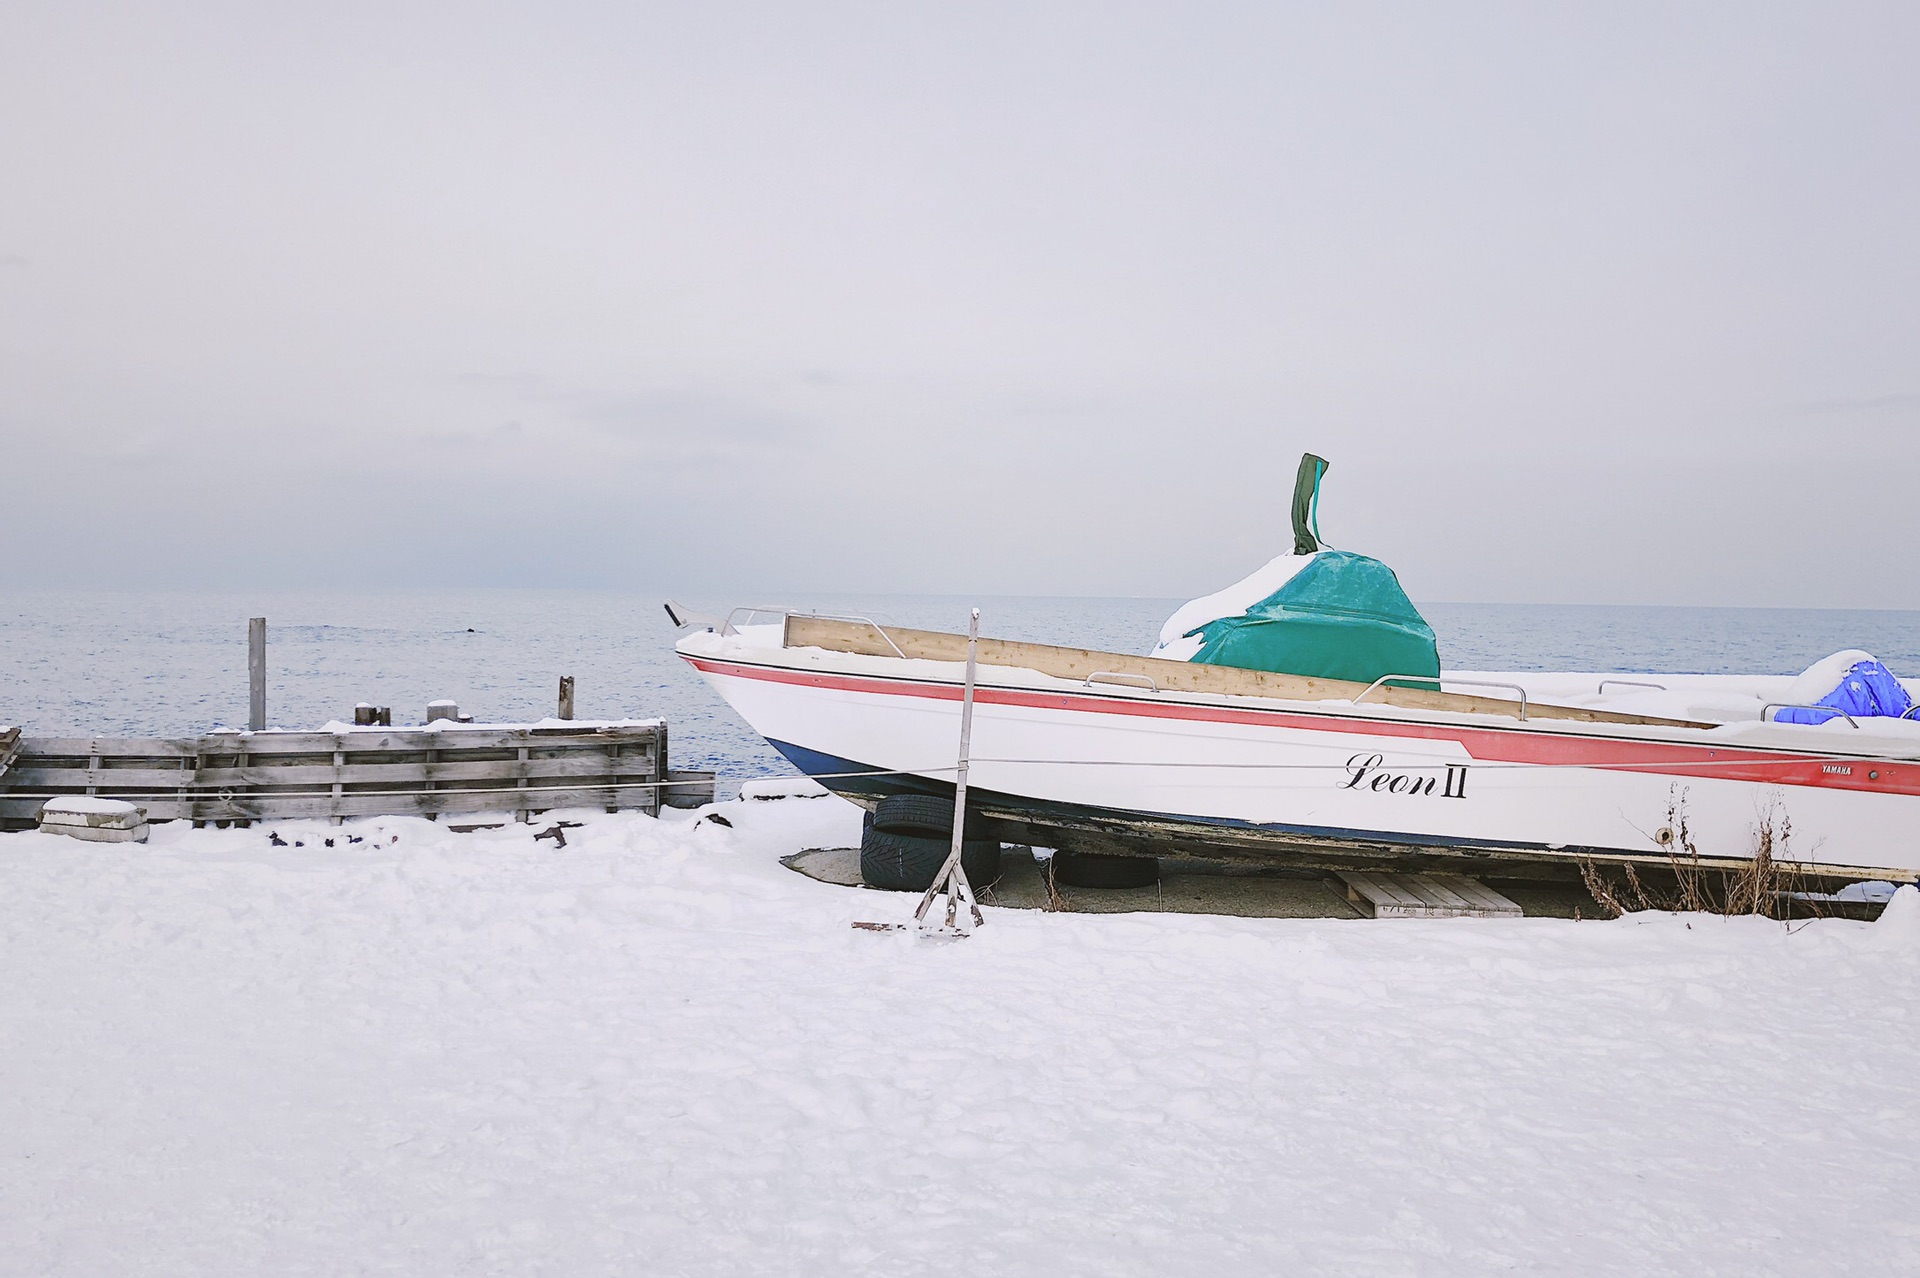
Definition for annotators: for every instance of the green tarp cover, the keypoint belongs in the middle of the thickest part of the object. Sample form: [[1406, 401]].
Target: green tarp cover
[[1343, 616]]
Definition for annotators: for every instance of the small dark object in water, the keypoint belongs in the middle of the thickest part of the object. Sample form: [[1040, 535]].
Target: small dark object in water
[[273, 837], [717, 819], [470, 630]]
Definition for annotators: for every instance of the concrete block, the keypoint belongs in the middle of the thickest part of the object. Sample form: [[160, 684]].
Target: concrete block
[[94, 820]]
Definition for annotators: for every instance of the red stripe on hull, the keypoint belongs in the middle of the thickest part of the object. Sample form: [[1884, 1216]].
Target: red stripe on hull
[[1487, 745]]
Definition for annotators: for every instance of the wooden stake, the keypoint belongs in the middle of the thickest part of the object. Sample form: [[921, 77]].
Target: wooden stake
[[566, 697], [257, 674]]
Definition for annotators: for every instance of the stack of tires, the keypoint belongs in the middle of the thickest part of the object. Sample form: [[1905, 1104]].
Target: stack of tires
[[906, 840]]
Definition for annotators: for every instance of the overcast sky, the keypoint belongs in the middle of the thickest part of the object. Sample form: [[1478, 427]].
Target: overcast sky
[[1618, 304]]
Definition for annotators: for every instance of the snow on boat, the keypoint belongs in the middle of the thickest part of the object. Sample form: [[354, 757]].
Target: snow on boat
[[1322, 759]]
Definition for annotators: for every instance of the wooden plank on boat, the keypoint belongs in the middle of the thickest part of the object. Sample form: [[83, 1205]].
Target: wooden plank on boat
[[1426, 896], [865, 639]]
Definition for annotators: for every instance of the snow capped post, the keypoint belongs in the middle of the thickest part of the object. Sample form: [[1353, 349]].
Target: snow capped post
[[256, 674]]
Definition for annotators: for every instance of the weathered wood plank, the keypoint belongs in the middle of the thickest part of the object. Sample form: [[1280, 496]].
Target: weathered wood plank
[[1174, 676], [596, 764], [1425, 896], [351, 741], [687, 789], [1382, 894], [1437, 895], [272, 775], [9, 747], [1482, 897], [266, 807]]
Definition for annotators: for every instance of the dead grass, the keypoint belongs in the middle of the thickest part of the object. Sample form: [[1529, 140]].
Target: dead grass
[[1765, 885]]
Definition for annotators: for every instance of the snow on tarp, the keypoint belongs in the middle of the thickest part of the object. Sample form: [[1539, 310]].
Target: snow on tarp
[[1180, 638], [656, 1051], [1851, 682], [1333, 614]]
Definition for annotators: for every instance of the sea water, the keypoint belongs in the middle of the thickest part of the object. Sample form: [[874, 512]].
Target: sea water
[[87, 663]]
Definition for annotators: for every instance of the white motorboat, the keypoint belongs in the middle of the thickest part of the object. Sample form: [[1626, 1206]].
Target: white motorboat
[[1303, 714], [1080, 748]]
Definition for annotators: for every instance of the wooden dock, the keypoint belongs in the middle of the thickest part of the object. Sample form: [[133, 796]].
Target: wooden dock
[[254, 776]]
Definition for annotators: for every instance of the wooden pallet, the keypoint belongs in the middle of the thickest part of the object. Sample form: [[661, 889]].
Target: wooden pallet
[[9, 747], [232, 776], [1426, 896]]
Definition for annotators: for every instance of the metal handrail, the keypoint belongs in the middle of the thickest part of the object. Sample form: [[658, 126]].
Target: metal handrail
[[1114, 676], [1443, 680], [728, 628], [852, 616], [1795, 705], [1627, 683]]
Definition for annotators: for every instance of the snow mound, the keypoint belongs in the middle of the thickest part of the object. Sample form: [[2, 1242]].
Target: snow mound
[[783, 788], [1823, 676], [1177, 643], [1899, 922]]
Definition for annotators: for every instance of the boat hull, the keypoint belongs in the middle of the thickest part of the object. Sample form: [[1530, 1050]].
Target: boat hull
[[1313, 784]]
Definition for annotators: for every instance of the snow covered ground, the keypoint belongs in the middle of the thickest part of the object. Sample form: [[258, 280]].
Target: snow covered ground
[[656, 1051]]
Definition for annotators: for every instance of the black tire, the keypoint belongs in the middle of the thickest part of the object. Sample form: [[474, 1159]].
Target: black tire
[[925, 815], [1102, 870], [908, 862]]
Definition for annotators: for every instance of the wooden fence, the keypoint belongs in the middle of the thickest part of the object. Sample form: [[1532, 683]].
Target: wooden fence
[[252, 776]]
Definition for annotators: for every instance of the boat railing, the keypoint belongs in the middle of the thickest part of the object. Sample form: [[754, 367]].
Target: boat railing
[[784, 613], [1444, 680], [748, 611], [1794, 705], [1121, 676], [1627, 683]]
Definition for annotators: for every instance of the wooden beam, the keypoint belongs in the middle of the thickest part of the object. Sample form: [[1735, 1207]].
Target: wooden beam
[[257, 673], [865, 639]]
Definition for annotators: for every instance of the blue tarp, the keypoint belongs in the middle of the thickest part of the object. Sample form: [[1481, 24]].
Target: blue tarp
[[1867, 690]]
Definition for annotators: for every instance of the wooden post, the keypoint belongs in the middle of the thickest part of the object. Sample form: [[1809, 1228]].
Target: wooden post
[[566, 697], [257, 674]]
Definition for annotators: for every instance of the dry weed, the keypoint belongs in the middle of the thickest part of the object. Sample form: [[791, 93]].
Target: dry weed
[[1765, 885]]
